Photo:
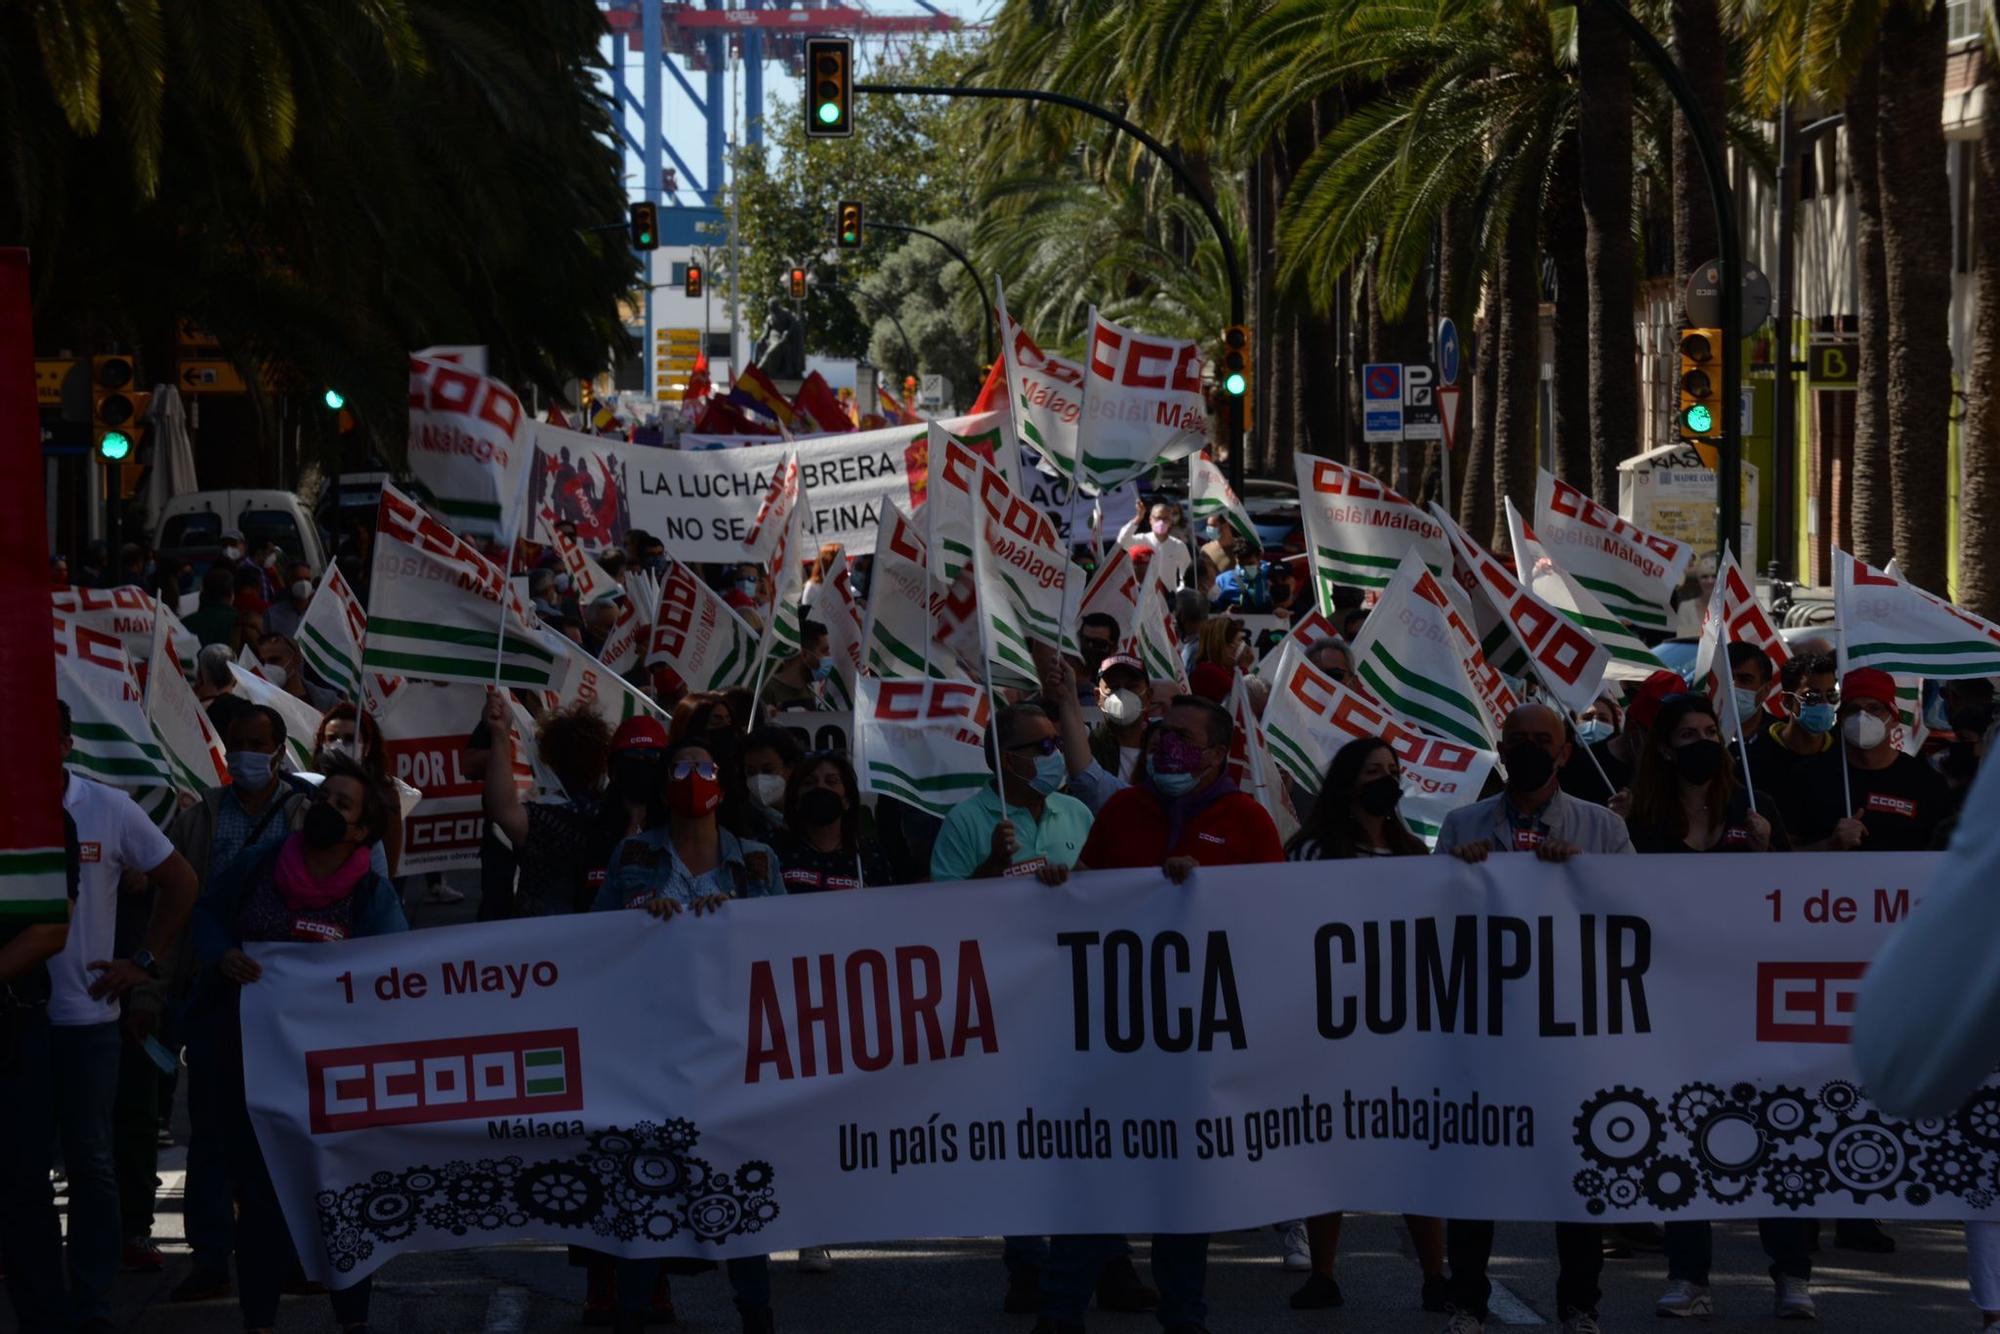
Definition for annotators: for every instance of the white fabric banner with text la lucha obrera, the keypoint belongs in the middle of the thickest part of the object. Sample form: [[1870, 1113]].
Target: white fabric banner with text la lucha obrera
[[1613, 1038]]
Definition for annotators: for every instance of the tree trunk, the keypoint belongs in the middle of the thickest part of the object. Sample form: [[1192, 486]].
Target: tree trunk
[[1916, 235], [1604, 87], [1475, 495], [1459, 270], [1869, 510], [1564, 243], [1699, 50], [1322, 430], [1979, 542], [1516, 405]]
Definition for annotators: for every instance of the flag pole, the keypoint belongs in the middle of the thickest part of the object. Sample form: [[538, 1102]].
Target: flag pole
[[510, 529], [986, 654]]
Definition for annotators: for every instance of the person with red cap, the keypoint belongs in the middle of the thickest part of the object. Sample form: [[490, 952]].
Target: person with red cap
[[1879, 799]]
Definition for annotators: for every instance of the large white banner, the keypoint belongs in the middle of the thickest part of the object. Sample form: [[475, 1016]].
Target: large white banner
[[469, 440], [1515, 1039], [1142, 404]]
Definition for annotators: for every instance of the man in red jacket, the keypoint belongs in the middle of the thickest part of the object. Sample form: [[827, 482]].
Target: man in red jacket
[[1182, 811]]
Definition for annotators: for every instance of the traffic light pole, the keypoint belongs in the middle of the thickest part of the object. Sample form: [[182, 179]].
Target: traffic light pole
[[1233, 428], [1729, 470], [992, 320]]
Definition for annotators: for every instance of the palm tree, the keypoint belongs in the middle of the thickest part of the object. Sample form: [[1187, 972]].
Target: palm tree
[[1916, 236], [1604, 128], [1978, 584], [1872, 508], [1564, 242], [1699, 51]]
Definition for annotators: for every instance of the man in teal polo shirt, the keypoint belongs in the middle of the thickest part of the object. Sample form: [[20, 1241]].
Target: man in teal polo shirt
[[1036, 830]]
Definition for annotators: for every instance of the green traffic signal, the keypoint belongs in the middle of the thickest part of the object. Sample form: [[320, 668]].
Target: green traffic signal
[[1700, 420], [115, 446], [334, 400], [1235, 384], [829, 112]]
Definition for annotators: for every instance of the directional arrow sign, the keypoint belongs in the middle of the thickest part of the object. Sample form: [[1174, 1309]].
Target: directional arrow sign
[[210, 376], [1447, 352]]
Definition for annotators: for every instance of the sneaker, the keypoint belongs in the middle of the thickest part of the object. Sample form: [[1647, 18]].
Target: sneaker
[[1119, 1287], [1317, 1294], [1024, 1291], [440, 892], [1688, 1301], [815, 1260], [1298, 1251], [1582, 1322], [1795, 1300], [202, 1285], [1864, 1235], [141, 1256], [165, 1137], [1436, 1294], [1464, 1322]]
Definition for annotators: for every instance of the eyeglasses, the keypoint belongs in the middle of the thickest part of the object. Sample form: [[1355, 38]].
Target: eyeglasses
[[1817, 696], [705, 768], [1338, 673], [1048, 745]]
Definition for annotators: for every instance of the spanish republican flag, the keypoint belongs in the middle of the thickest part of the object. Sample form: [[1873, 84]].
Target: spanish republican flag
[[892, 407], [757, 392]]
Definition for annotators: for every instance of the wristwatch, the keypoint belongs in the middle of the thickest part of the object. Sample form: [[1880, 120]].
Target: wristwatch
[[143, 958]]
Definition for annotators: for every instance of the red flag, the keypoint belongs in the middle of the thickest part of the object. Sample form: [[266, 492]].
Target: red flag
[[993, 393], [698, 385], [556, 417], [721, 417], [817, 404]]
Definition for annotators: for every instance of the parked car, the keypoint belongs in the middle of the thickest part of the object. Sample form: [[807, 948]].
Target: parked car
[[191, 529]]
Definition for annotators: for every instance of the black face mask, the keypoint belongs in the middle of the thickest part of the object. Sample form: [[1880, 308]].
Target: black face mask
[[819, 807], [1379, 796], [1698, 761], [1529, 767], [636, 781], [324, 826], [1094, 652]]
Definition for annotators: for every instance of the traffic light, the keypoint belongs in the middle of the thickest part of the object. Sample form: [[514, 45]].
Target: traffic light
[[334, 400], [848, 234], [645, 225], [691, 284], [829, 98], [798, 284], [1235, 369], [115, 407], [1701, 413]]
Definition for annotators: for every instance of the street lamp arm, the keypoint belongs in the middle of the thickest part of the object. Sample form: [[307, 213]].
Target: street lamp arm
[[1234, 408], [992, 320]]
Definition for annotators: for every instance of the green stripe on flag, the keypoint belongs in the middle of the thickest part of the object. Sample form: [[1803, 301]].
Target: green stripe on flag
[[1291, 757], [34, 861], [1418, 708], [518, 641], [1956, 647], [724, 676], [899, 652], [332, 665], [963, 781], [426, 667], [1624, 602], [1361, 558], [1936, 671]]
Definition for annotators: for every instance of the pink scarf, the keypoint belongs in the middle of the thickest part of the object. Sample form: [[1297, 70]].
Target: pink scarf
[[301, 890]]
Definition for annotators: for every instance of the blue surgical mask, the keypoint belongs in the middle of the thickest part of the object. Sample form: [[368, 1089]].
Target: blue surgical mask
[[251, 768], [747, 587], [1747, 703], [824, 670], [1051, 772], [1818, 718], [1171, 785], [1593, 730]]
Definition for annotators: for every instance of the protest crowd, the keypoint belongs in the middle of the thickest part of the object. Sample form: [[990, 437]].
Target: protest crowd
[[256, 751]]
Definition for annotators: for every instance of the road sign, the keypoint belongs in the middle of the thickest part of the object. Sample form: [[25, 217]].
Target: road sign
[[1447, 396], [1702, 299], [1832, 364], [1420, 414], [1381, 401], [49, 372], [209, 376], [932, 391], [1447, 345], [192, 337]]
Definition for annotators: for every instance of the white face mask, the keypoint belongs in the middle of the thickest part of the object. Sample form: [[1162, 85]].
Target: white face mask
[[1123, 706], [233, 553], [302, 590], [343, 749], [768, 789], [1864, 731]]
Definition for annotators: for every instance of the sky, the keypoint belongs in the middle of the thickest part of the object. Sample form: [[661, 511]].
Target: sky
[[685, 128]]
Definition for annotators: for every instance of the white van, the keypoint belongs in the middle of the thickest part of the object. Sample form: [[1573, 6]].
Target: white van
[[192, 527]]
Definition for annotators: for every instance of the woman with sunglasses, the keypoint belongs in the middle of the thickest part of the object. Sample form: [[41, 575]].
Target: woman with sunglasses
[[820, 846], [1685, 798], [685, 860], [1354, 815]]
